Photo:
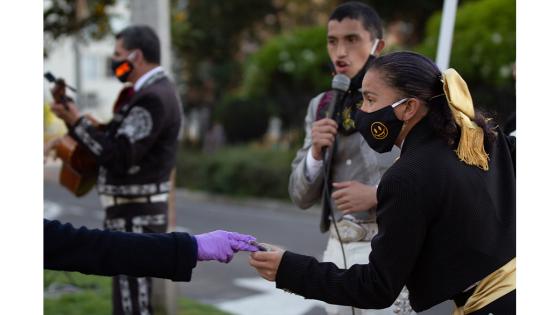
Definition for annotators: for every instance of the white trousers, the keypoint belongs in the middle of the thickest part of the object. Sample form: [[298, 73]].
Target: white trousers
[[358, 253]]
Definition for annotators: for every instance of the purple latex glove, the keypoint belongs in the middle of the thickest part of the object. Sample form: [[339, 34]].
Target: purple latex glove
[[221, 245]]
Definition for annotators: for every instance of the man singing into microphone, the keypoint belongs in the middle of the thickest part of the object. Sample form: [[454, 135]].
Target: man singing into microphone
[[348, 191]]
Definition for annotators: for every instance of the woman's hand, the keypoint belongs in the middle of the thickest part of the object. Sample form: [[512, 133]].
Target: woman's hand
[[266, 263]]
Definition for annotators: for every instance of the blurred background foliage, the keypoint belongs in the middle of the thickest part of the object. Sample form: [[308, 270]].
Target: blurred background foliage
[[238, 64], [242, 170], [244, 119], [483, 52], [85, 18], [289, 70], [275, 61], [275, 49]]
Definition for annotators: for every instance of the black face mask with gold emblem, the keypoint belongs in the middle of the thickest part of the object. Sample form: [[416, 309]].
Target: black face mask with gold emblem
[[381, 128]]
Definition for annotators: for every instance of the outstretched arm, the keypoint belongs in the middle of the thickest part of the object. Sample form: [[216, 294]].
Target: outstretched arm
[[163, 255], [373, 285]]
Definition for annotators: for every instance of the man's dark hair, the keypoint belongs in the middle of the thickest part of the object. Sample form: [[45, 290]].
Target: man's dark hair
[[360, 11], [144, 38]]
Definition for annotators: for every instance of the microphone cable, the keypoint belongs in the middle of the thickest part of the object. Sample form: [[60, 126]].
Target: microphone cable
[[326, 175]]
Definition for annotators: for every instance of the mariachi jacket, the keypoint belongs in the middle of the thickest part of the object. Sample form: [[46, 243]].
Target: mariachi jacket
[[136, 151]]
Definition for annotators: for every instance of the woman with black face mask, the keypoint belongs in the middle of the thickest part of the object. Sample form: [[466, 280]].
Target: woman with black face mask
[[446, 209]]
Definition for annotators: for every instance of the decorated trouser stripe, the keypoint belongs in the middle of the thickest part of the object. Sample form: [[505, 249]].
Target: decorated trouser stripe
[[131, 295], [124, 289]]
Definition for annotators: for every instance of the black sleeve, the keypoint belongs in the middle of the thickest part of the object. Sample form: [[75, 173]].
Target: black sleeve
[[138, 131], [108, 253], [402, 228]]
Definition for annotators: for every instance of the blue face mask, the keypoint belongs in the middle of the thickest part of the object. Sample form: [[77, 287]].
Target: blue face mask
[[381, 128]]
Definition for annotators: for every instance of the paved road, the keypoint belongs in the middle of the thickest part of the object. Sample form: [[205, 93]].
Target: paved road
[[234, 287]]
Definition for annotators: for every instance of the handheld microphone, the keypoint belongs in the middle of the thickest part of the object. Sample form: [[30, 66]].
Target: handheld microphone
[[340, 84]]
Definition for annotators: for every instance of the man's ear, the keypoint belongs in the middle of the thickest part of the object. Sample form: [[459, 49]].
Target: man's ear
[[136, 56], [380, 47]]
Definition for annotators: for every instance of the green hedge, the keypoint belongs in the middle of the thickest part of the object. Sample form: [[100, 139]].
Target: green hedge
[[237, 171], [244, 119]]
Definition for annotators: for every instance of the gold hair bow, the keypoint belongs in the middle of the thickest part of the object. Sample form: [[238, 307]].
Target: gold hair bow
[[471, 144]]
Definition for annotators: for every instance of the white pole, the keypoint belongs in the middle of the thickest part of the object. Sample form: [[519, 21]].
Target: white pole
[[446, 34], [156, 15]]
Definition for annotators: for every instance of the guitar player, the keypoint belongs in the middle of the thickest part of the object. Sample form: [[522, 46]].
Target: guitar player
[[135, 152]]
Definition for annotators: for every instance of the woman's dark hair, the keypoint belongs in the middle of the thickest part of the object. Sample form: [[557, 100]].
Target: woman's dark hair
[[144, 38], [417, 76]]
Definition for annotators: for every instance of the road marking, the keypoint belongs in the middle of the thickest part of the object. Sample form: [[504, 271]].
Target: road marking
[[271, 302]]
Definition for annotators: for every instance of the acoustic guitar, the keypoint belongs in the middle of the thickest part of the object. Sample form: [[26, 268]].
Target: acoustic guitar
[[79, 168]]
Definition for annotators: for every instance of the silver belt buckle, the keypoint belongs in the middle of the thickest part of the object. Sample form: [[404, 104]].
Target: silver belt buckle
[[349, 231]]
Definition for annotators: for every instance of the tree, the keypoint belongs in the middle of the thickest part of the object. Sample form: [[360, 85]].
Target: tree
[[206, 37], [89, 19], [289, 70], [483, 51], [414, 13]]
